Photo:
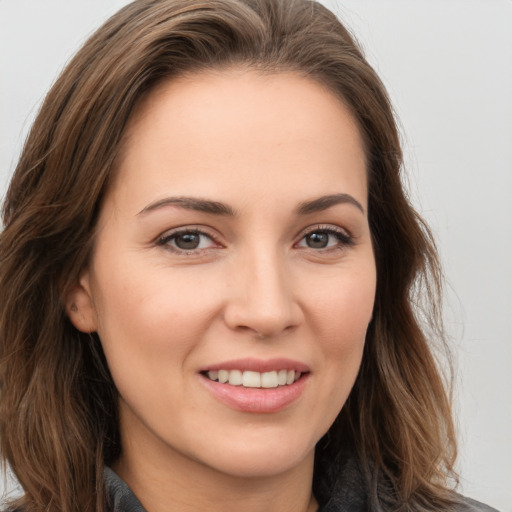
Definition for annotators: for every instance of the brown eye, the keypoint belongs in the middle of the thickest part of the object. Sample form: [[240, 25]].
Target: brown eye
[[317, 240], [187, 241], [326, 238]]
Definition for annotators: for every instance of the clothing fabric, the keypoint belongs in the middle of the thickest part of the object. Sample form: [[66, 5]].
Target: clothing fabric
[[348, 495]]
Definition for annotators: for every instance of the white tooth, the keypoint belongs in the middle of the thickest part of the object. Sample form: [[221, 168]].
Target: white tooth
[[235, 377], [281, 377], [290, 377], [213, 374], [251, 379], [297, 376], [223, 376], [269, 380]]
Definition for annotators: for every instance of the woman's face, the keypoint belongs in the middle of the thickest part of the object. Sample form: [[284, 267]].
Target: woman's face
[[233, 244]]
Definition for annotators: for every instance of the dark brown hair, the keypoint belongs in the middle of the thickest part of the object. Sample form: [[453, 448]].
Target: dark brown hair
[[58, 405]]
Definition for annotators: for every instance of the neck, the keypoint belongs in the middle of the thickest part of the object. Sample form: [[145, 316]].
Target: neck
[[176, 482]]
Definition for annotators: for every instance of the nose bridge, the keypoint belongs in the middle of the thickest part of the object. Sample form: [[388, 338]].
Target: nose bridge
[[262, 297]]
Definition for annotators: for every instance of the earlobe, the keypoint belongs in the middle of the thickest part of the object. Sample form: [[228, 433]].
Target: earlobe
[[80, 306]]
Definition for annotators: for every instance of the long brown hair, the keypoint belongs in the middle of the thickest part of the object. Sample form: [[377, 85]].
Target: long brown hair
[[58, 405]]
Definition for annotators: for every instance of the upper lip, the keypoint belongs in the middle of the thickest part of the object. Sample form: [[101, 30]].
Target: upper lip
[[259, 365]]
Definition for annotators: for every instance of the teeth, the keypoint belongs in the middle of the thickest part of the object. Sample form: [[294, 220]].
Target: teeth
[[249, 379], [235, 377], [269, 380]]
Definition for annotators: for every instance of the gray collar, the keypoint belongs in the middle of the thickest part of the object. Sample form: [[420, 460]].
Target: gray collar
[[120, 497]]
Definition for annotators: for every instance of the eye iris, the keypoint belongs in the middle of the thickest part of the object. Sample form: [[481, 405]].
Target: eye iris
[[317, 240], [187, 241]]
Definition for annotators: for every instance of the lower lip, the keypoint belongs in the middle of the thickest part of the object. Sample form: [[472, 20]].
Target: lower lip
[[256, 400]]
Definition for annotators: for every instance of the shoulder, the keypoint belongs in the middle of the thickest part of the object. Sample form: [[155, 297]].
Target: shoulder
[[470, 505], [347, 490]]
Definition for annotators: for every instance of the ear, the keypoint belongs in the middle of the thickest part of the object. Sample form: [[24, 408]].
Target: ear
[[80, 305]]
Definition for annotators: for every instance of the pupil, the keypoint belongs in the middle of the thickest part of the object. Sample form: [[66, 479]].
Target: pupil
[[188, 241], [318, 240]]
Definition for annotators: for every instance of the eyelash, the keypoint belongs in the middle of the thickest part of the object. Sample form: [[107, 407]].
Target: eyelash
[[342, 236], [344, 239], [165, 240]]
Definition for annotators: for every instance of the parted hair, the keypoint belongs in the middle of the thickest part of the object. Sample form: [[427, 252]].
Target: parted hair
[[58, 404]]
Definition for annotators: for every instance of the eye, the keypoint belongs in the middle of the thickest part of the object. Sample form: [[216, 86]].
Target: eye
[[325, 238], [187, 240]]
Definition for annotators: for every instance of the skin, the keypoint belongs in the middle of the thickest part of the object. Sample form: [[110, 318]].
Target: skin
[[262, 144]]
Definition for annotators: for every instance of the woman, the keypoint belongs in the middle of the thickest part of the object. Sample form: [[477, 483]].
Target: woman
[[210, 277]]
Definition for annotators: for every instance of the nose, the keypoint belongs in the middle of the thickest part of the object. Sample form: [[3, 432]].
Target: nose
[[262, 300]]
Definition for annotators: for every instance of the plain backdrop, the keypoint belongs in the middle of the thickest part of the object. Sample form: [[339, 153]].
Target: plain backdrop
[[448, 68]]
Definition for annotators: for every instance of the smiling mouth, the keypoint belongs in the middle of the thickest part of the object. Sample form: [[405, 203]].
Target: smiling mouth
[[251, 379]]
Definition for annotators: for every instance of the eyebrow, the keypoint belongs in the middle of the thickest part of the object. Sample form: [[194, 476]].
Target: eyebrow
[[192, 203], [217, 208], [325, 202]]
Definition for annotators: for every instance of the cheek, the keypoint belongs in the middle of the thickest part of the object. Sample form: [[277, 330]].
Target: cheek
[[151, 313], [149, 325], [342, 307], [341, 312]]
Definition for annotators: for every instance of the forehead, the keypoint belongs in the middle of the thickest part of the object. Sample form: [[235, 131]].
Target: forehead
[[201, 130]]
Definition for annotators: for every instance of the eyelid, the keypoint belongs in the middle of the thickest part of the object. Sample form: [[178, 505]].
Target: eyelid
[[164, 239], [345, 237]]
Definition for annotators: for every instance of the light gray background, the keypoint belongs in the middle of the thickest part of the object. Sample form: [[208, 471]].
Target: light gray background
[[448, 67]]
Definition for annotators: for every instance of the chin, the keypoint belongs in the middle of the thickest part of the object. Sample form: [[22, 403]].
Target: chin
[[268, 467], [269, 458]]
